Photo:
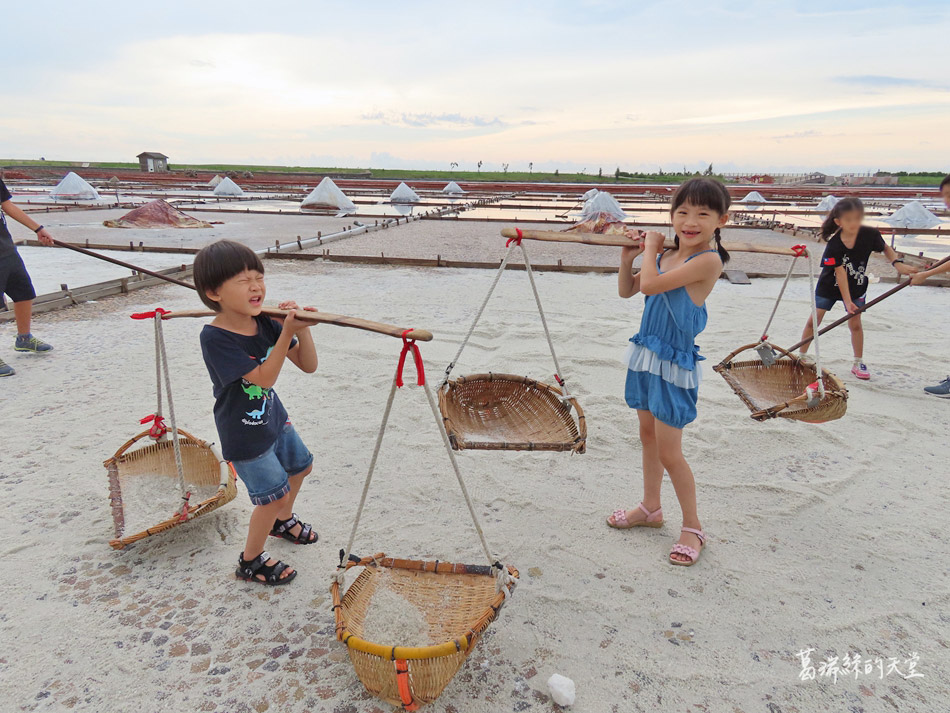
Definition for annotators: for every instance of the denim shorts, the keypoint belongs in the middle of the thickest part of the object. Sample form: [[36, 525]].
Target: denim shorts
[[265, 476], [826, 303], [15, 280]]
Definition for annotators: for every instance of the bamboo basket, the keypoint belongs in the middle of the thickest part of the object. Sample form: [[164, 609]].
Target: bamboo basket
[[768, 390], [459, 602], [513, 413], [203, 464]]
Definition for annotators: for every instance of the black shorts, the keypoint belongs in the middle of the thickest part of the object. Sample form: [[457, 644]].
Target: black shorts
[[15, 281]]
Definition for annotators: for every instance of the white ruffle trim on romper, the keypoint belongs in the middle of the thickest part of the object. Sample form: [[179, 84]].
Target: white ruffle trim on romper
[[639, 358]]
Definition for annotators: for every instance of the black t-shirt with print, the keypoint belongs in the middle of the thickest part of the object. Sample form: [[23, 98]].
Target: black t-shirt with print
[[6, 240], [248, 417], [853, 260]]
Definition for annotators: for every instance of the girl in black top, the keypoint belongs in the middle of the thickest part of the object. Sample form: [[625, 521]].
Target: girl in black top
[[843, 268]]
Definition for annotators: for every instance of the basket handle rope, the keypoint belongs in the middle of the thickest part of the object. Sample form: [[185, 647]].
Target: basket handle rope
[[511, 244], [478, 316], [800, 251], [162, 370], [410, 347], [766, 351], [814, 325]]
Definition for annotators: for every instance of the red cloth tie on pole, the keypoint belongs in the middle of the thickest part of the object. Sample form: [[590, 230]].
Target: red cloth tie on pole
[[150, 315], [407, 346], [516, 241], [800, 250]]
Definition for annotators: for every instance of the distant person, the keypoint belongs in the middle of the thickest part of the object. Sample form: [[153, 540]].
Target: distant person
[[843, 272], [15, 281], [942, 389], [244, 352], [663, 371]]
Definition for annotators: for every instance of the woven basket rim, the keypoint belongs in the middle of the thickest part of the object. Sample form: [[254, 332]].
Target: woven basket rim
[[225, 493], [439, 567], [576, 445], [836, 396]]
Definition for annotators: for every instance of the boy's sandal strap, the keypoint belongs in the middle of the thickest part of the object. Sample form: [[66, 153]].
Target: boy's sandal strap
[[258, 566], [282, 529]]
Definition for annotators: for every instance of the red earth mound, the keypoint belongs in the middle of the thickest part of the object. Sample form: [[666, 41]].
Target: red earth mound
[[157, 214]]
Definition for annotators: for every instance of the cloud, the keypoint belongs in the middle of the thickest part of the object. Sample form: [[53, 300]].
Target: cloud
[[808, 134], [429, 120], [884, 81]]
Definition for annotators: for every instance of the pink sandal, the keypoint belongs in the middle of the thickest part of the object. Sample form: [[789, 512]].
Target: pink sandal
[[691, 552], [619, 521]]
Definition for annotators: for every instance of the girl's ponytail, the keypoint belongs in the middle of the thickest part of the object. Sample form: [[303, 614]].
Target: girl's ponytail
[[723, 253], [829, 226]]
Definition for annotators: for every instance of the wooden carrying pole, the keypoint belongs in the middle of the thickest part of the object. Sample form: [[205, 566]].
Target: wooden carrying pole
[[620, 241], [339, 320], [127, 265], [316, 317], [873, 302]]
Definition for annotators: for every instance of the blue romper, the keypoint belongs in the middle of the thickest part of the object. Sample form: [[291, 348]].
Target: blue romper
[[662, 359]]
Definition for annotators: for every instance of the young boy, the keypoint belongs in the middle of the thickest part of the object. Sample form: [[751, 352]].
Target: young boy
[[244, 352], [15, 280], [942, 389]]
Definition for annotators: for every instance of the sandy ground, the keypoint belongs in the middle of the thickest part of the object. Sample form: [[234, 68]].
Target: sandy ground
[[825, 536]]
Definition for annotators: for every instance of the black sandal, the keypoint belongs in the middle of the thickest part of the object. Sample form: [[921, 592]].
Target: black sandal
[[282, 529], [248, 570]]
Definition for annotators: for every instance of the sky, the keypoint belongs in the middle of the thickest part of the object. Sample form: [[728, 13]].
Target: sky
[[583, 85]]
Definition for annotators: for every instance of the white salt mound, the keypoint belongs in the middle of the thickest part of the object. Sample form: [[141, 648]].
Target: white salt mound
[[393, 620], [562, 689], [148, 500]]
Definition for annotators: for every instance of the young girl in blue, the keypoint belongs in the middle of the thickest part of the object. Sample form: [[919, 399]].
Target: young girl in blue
[[663, 372]]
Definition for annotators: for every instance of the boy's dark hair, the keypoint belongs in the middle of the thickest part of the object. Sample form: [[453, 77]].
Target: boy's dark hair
[[845, 205], [945, 182], [706, 193], [217, 263]]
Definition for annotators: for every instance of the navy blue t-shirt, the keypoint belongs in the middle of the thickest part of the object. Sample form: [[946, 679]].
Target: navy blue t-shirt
[[6, 240], [853, 260], [248, 417]]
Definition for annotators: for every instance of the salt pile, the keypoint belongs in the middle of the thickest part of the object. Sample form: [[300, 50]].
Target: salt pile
[[913, 215], [157, 214], [393, 620], [148, 499], [404, 194], [227, 187], [562, 689], [74, 187], [601, 202], [826, 204], [328, 195], [754, 197]]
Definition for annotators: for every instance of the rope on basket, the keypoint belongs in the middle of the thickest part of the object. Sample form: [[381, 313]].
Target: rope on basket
[[766, 353], [800, 251], [158, 429], [511, 244], [409, 346], [814, 325]]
